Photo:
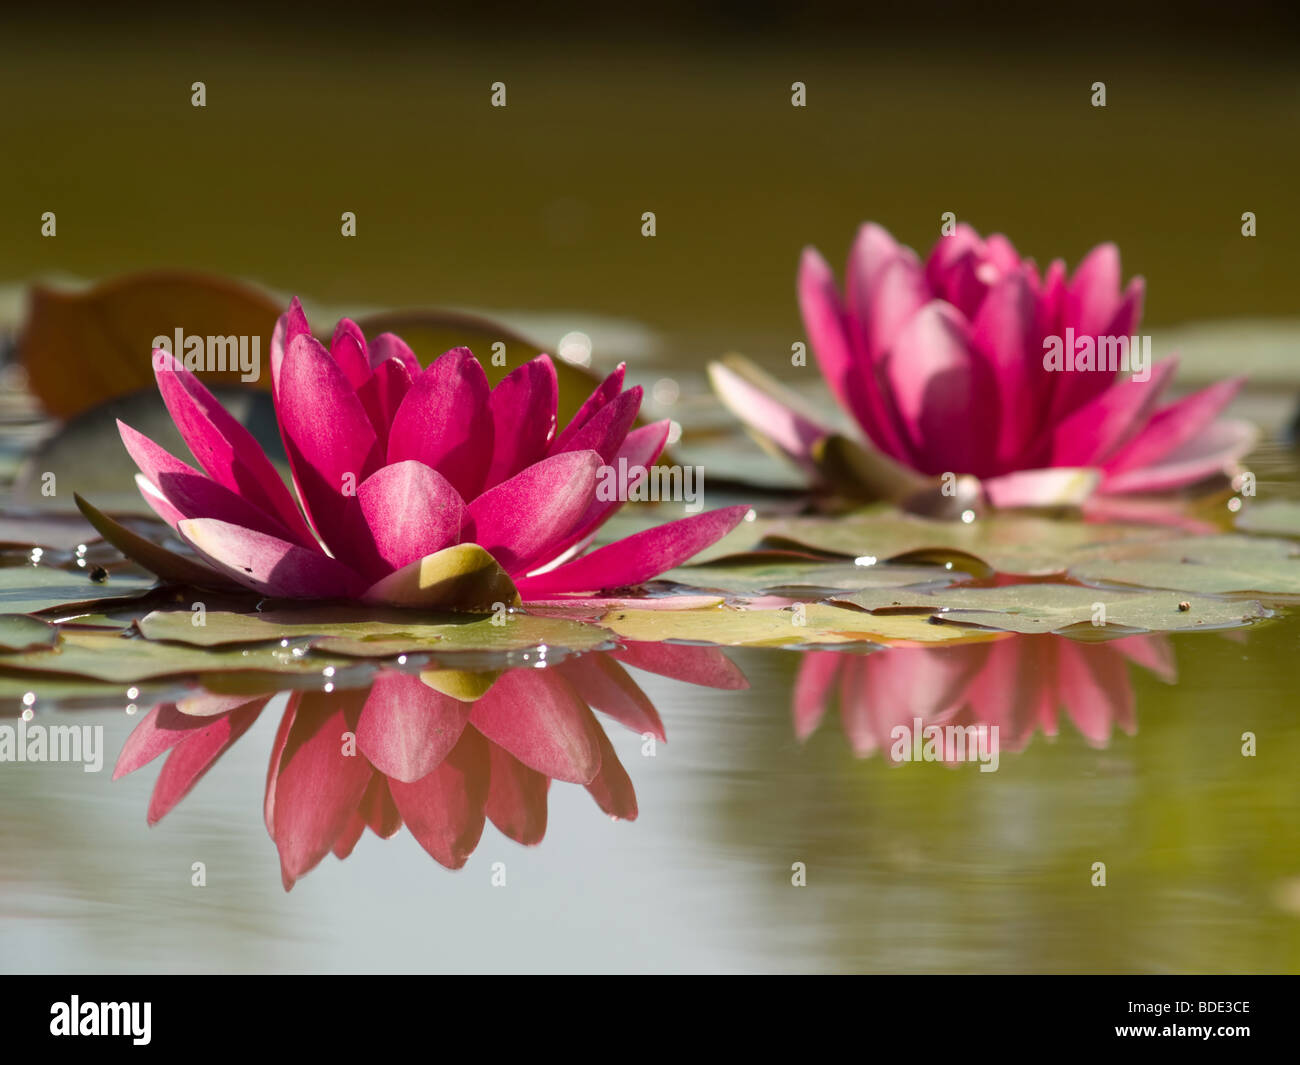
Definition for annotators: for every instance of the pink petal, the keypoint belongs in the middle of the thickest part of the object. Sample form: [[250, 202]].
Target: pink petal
[[382, 395], [874, 251], [288, 327], [411, 511], [269, 565], [610, 387], [407, 728], [636, 558], [190, 493], [825, 323], [1093, 433], [1056, 486], [1093, 294], [1213, 451], [348, 349], [158, 731], [604, 685], [523, 416], [772, 417], [707, 666], [641, 448], [1093, 683], [537, 717], [516, 801], [316, 785], [444, 810], [899, 292], [813, 689], [390, 346], [445, 421], [946, 395], [189, 760], [523, 520], [612, 787], [606, 430], [1005, 333], [223, 447], [329, 439], [1175, 425]]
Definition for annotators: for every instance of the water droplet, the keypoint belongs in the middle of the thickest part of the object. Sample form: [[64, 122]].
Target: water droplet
[[865, 560], [29, 698], [968, 516], [328, 671]]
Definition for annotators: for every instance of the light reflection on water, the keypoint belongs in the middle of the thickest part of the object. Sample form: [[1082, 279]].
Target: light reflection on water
[[918, 866]]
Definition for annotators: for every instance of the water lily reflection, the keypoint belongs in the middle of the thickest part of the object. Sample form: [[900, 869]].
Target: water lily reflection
[[1018, 684], [440, 752]]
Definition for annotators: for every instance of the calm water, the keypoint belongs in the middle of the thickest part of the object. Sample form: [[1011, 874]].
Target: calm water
[[913, 867]]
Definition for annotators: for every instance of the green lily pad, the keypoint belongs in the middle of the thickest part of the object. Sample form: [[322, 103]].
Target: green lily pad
[[1041, 607], [371, 633], [19, 632], [772, 573], [1273, 517], [29, 589], [812, 624], [1211, 565], [120, 659]]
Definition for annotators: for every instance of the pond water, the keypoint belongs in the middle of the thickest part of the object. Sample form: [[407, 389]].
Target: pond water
[[911, 866]]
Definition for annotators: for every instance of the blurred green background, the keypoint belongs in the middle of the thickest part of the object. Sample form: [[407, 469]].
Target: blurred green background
[[538, 204]]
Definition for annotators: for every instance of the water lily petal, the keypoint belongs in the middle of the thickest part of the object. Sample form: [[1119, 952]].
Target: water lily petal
[[523, 520], [523, 417], [190, 493], [329, 440], [1095, 431], [445, 421], [390, 346], [223, 447], [411, 511], [612, 787], [1214, 451], [407, 728], [348, 349], [606, 430], [636, 558], [444, 810], [825, 322], [270, 565], [538, 718], [610, 387], [516, 801], [604, 685], [1173, 426]]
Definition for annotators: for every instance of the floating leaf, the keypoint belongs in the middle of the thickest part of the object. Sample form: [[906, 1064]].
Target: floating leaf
[[813, 624], [30, 589], [117, 658], [1044, 607], [1274, 517], [750, 575], [1212, 565], [83, 347], [19, 632], [374, 633]]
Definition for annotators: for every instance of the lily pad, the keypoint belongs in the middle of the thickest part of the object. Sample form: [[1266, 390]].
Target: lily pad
[[120, 659], [370, 633], [29, 589], [1274, 517], [772, 573], [1212, 565], [809, 624], [18, 632], [1044, 607]]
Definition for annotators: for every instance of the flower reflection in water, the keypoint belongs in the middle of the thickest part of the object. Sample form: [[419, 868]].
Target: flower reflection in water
[[440, 752], [1018, 684]]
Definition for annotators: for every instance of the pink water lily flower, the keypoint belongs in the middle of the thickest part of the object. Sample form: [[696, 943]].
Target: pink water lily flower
[[942, 365], [417, 487]]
